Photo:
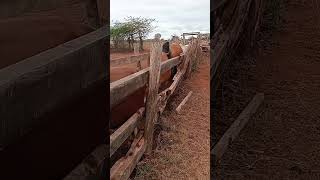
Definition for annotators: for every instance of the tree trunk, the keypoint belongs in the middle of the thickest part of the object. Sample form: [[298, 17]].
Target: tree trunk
[[129, 42], [115, 44], [141, 43]]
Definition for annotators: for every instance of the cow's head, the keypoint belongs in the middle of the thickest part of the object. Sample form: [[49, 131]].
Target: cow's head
[[166, 47]]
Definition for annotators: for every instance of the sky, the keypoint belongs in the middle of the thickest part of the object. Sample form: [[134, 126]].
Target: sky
[[172, 16]]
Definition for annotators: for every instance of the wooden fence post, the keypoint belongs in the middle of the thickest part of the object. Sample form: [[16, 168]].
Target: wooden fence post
[[190, 57], [151, 104], [136, 52], [102, 11]]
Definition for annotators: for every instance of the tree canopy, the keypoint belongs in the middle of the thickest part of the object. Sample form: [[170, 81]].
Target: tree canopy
[[132, 28]]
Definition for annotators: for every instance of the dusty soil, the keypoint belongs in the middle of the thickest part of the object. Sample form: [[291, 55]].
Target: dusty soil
[[182, 140], [282, 140]]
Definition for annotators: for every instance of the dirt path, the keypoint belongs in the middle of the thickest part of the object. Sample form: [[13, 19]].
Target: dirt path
[[282, 140], [182, 150]]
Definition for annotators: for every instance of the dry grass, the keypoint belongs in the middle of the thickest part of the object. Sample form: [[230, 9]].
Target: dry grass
[[182, 140]]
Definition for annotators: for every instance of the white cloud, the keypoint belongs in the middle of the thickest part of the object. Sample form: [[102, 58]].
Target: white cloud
[[173, 17]]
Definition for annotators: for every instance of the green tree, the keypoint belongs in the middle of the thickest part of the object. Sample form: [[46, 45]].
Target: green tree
[[119, 32], [140, 27], [132, 28]]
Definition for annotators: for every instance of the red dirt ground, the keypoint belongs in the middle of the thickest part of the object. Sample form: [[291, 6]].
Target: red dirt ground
[[282, 140], [183, 140]]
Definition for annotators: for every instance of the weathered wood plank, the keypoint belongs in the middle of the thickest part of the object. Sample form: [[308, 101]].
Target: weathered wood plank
[[136, 52], [130, 59], [103, 10], [37, 85], [167, 65], [123, 168], [121, 134], [191, 55], [234, 130], [90, 165], [166, 94], [231, 35], [153, 87], [122, 88], [178, 109]]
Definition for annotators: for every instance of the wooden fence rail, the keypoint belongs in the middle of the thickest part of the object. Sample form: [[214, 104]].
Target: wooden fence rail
[[122, 133], [236, 22], [39, 84], [155, 105], [122, 88], [130, 59]]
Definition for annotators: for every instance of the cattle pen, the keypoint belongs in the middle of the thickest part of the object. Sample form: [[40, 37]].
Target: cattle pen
[[154, 106]]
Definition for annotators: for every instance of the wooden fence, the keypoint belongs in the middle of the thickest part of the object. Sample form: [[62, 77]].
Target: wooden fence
[[35, 86], [124, 45], [236, 22], [130, 59], [155, 105]]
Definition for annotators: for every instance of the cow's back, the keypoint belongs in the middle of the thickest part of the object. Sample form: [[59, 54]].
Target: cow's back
[[176, 50]]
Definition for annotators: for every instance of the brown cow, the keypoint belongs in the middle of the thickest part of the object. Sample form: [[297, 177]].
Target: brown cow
[[124, 110]]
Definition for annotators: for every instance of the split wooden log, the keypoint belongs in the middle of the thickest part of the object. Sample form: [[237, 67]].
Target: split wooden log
[[134, 143], [231, 134], [231, 36], [122, 88], [178, 109], [121, 134], [136, 52], [90, 165], [102, 11], [153, 86], [165, 95], [123, 168]]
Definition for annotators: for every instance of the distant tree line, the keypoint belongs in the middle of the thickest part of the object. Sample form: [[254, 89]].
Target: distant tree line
[[130, 30]]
